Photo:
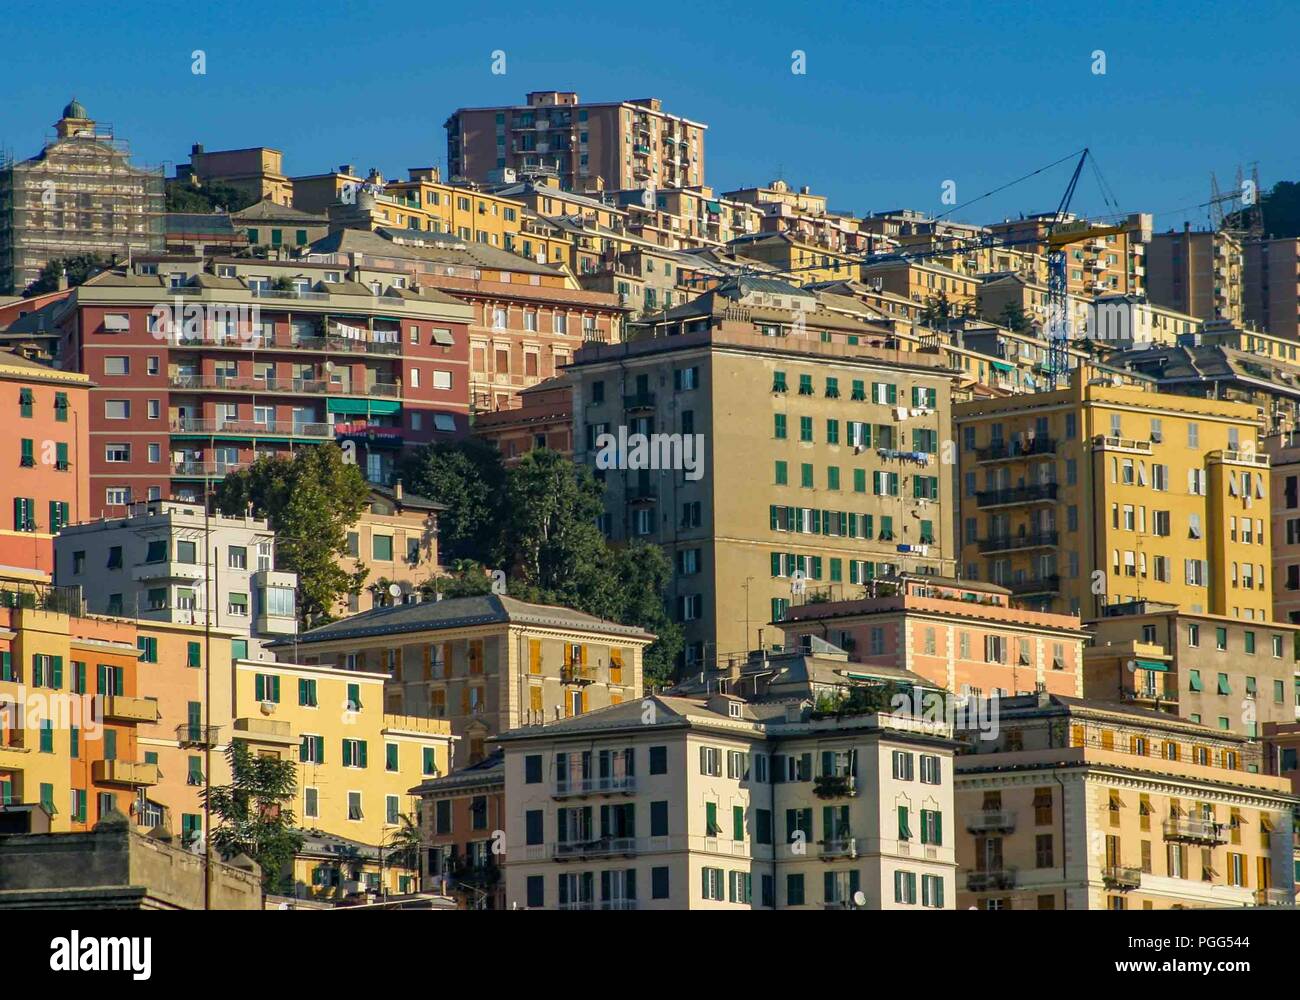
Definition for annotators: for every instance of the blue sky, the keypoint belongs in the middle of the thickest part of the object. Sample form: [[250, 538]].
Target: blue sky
[[897, 98]]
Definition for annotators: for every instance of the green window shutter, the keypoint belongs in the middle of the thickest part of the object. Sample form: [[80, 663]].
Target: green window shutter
[[302, 748], [194, 655], [776, 563], [738, 823], [938, 827], [275, 689], [354, 696], [38, 670], [390, 756], [361, 744], [710, 818], [56, 670], [259, 688]]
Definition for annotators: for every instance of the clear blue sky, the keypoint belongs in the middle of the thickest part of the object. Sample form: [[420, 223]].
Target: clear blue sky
[[897, 97]]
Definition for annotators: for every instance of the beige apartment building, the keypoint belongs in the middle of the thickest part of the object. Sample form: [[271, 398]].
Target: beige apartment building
[[396, 539], [718, 803], [1091, 805], [814, 464], [959, 635], [1201, 274], [1099, 494], [1212, 670], [586, 145], [1097, 263], [1284, 468], [1272, 292], [256, 172], [483, 664]]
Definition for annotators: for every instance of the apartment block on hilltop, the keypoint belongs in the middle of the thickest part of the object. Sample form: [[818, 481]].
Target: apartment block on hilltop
[[78, 195], [1272, 286], [959, 635], [257, 172], [1089, 805], [586, 145], [1284, 469], [1220, 672], [1199, 273], [484, 664], [835, 479], [718, 802], [1100, 494]]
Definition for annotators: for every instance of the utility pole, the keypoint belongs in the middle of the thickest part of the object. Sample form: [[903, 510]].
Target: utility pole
[[206, 722]]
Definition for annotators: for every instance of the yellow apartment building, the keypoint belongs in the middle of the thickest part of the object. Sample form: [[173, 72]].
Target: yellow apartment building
[[800, 261], [396, 539], [1091, 805], [481, 665], [356, 761], [1097, 494], [924, 282]]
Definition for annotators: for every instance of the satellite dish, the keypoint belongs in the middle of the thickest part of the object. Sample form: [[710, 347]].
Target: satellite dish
[[394, 590], [859, 898], [329, 366]]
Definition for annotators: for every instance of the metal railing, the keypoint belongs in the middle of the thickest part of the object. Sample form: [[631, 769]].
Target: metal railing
[[1016, 494], [1011, 543], [991, 819], [1196, 829], [251, 428]]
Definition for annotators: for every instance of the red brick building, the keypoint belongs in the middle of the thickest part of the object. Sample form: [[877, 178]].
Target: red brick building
[[543, 419]]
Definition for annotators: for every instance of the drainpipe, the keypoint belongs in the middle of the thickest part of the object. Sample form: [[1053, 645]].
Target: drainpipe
[[1064, 865]]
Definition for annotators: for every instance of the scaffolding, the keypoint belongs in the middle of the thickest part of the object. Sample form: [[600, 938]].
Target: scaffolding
[[80, 194]]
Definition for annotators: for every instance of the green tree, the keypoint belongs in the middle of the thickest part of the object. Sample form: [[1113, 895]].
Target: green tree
[[81, 268], [1013, 317], [255, 812], [310, 502], [182, 196], [641, 575], [469, 479], [404, 845]]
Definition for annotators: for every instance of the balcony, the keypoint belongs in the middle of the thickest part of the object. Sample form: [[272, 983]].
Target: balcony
[[601, 847], [195, 735], [1131, 446], [251, 429], [618, 904], [167, 569], [990, 820], [1039, 493], [615, 784], [642, 495], [1018, 543], [835, 786], [1121, 877], [1197, 831], [1274, 897], [639, 402], [577, 904], [120, 708], [123, 772], [834, 848], [264, 731], [577, 674], [199, 469], [237, 383], [1040, 585], [1004, 451], [991, 881]]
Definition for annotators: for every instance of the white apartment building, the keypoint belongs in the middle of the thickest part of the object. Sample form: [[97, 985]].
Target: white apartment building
[[158, 562], [720, 803]]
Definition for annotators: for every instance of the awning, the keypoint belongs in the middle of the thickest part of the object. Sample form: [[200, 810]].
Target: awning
[[714, 207], [1152, 665], [443, 337], [444, 422], [1001, 366], [117, 322], [362, 407]]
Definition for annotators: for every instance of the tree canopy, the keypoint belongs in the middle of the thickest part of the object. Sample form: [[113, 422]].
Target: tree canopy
[[254, 813], [81, 267]]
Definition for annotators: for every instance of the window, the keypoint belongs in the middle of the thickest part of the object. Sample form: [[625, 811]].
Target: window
[[902, 761]]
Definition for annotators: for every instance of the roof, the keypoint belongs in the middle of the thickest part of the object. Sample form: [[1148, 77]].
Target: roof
[[412, 501], [437, 247], [462, 612], [213, 223], [488, 771], [268, 210]]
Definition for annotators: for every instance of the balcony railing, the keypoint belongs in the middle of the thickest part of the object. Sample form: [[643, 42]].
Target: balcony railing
[[1105, 442], [1014, 543], [839, 847], [1016, 495], [1201, 831], [205, 470], [251, 428], [1000, 451], [194, 735], [990, 881], [1039, 585], [991, 819], [1274, 897], [639, 401], [835, 786], [122, 708], [601, 847], [616, 784], [123, 772], [618, 904], [577, 674], [1122, 877]]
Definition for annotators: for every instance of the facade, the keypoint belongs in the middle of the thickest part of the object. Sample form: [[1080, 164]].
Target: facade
[[462, 824], [484, 664], [1099, 494], [151, 565], [272, 225], [396, 539], [1202, 274], [48, 487], [718, 803], [1128, 322], [1097, 262], [256, 172], [202, 365], [543, 419], [1284, 468], [854, 484], [962, 636], [801, 215], [1272, 292], [80, 194], [620, 144], [1219, 672], [1084, 805], [203, 235]]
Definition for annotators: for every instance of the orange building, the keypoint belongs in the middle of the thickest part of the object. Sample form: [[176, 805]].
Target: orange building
[[460, 814], [958, 634], [46, 461]]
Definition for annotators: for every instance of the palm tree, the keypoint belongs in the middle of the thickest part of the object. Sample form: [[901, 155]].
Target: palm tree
[[405, 844]]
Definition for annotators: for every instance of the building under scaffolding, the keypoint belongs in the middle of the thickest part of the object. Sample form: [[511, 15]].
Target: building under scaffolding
[[80, 194]]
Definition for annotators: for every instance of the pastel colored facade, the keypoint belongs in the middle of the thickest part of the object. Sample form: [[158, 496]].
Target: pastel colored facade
[[1080, 805], [1128, 322], [356, 761], [525, 321], [200, 366], [152, 565], [620, 144], [720, 804], [256, 172], [820, 459], [396, 539], [963, 637], [543, 419], [1099, 494], [80, 194], [48, 457], [1103, 264], [802, 216], [1284, 468], [681, 218], [462, 825], [1216, 671], [277, 226], [925, 282], [71, 704], [1272, 292], [798, 260], [1202, 274], [483, 665]]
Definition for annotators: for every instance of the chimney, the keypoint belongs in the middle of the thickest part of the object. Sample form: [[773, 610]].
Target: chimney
[[397, 490], [63, 278]]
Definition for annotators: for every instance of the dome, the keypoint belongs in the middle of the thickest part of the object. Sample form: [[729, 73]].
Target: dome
[[75, 110]]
